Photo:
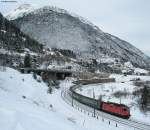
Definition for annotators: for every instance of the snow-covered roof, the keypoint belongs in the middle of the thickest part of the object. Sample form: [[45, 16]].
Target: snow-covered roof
[[139, 70]]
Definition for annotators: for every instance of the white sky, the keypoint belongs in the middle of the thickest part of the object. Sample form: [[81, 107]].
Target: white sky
[[127, 19]]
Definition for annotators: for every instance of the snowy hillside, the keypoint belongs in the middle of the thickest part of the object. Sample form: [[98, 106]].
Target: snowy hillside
[[26, 105], [32, 112], [57, 28]]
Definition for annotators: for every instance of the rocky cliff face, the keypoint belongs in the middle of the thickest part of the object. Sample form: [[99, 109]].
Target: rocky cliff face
[[57, 28]]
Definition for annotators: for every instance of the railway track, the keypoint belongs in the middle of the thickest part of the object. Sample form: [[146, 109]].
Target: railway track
[[136, 125]]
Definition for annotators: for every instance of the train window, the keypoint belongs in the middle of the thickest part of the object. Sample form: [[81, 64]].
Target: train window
[[124, 109]]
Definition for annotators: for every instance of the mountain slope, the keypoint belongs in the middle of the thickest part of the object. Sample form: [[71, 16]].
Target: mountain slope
[[14, 45], [11, 38], [56, 28]]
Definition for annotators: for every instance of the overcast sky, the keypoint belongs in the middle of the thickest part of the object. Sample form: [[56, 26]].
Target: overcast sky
[[127, 19]]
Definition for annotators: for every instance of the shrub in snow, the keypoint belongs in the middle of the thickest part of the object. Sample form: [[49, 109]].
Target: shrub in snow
[[50, 90], [141, 83], [119, 94], [24, 97], [137, 92], [2, 68], [145, 98], [39, 80], [50, 105], [27, 61], [54, 83], [34, 76]]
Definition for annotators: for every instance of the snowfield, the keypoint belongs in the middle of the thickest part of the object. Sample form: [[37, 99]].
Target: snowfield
[[26, 105], [122, 84]]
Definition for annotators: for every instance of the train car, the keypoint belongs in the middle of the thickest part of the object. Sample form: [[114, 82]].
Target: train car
[[86, 100], [116, 109], [119, 110]]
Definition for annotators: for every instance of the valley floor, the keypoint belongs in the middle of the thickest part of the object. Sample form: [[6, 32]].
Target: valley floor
[[123, 84]]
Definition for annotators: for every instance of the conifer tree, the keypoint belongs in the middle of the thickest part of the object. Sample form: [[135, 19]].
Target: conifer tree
[[27, 61]]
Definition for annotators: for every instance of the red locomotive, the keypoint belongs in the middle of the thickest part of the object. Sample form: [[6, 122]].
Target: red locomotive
[[115, 109]]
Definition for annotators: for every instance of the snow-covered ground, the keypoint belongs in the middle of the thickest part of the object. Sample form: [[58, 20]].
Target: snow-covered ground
[[123, 84], [25, 105]]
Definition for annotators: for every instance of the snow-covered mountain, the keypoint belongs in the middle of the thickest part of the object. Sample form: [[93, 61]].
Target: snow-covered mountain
[[20, 11], [57, 28]]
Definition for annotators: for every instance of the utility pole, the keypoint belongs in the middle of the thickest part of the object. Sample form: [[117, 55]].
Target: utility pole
[[120, 100], [72, 99], [94, 98]]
